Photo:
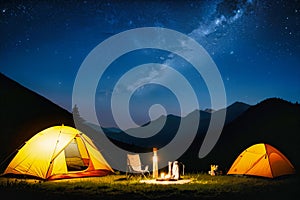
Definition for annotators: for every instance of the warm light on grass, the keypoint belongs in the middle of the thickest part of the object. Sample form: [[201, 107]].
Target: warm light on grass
[[201, 186]]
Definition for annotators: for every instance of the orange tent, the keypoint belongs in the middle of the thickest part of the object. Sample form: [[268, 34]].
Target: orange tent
[[59, 152], [262, 160]]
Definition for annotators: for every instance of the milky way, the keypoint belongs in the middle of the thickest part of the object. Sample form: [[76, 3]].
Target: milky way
[[255, 45]]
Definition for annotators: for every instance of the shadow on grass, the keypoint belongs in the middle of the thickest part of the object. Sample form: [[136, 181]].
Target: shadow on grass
[[121, 179]]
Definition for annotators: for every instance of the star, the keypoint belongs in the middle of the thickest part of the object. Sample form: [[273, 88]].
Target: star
[[235, 33]]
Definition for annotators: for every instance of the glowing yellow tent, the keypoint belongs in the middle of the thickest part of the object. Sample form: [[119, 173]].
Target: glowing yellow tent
[[262, 160], [59, 152]]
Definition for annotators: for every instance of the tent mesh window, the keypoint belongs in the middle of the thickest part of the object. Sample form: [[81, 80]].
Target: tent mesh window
[[74, 160]]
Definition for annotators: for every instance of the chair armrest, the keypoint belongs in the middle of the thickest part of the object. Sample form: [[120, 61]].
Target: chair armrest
[[146, 168]]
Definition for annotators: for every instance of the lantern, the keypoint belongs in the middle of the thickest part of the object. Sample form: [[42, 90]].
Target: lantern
[[155, 163]]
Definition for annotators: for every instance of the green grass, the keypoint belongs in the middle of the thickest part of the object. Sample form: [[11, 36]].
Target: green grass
[[202, 186]]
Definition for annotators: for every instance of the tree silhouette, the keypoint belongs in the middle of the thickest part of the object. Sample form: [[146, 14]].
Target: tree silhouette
[[76, 115]]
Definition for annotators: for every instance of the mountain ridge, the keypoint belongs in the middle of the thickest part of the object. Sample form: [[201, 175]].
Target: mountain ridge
[[23, 114], [273, 120], [171, 124]]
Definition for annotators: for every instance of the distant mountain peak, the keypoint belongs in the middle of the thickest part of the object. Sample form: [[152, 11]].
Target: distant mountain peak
[[239, 103], [273, 100]]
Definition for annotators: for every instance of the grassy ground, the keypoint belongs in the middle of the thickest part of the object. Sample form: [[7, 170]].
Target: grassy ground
[[202, 186]]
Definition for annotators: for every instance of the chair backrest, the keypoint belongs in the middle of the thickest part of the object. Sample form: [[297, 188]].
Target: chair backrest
[[134, 161]]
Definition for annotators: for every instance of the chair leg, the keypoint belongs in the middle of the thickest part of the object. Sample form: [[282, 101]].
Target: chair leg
[[128, 175], [146, 174]]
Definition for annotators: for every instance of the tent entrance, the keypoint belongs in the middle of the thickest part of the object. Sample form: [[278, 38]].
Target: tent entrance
[[76, 155]]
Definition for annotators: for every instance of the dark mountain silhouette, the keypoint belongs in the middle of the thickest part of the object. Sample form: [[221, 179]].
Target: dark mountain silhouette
[[166, 134], [273, 121], [158, 140], [235, 110], [23, 114]]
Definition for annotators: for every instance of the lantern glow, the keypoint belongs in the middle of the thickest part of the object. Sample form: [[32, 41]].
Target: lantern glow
[[155, 163]]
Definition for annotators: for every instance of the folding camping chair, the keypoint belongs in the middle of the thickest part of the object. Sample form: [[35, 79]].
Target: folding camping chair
[[134, 166]]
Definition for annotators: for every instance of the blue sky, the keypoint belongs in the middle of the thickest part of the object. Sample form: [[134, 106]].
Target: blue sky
[[253, 43]]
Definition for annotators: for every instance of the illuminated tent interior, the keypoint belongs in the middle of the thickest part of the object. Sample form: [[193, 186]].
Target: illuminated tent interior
[[59, 152], [262, 160]]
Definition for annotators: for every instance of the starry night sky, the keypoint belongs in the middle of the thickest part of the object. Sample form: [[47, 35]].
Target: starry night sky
[[255, 45]]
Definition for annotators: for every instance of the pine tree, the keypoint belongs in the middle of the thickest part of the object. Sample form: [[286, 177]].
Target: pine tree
[[76, 115]]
